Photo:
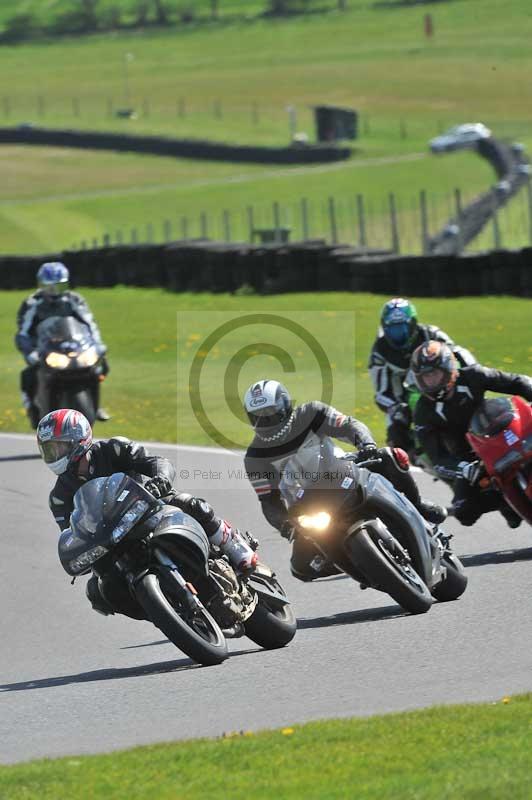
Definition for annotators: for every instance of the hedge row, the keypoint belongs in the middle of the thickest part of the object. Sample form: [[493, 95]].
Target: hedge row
[[201, 265], [180, 148]]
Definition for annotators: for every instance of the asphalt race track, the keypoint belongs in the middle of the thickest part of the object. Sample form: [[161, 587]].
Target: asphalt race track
[[72, 681]]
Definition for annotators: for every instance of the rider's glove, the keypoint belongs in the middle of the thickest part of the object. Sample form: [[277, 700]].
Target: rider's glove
[[400, 413], [287, 530], [158, 486], [32, 358], [367, 452], [470, 470]]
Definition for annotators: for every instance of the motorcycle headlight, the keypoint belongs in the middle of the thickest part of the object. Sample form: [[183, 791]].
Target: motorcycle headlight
[[129, 519], [88, 357], [507, 460], [316, 522], [57, 360], [84, 561]]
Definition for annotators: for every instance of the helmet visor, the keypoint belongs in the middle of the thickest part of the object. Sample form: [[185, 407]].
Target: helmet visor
[[397, 333], [267, 417], [54, 451], [53, 288], [432, 381]]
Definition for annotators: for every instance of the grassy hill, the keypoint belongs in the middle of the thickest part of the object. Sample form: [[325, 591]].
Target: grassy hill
[[232, 81]]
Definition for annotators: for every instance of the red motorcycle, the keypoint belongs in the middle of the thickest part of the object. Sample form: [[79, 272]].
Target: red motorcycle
[[500, 433]]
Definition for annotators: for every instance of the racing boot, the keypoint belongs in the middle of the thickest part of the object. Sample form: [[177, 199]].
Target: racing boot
[[235, 547], [431, 511], [512, 518], [102, 415]]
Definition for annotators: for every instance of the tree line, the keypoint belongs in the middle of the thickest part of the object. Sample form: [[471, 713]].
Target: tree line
[[90, 16]]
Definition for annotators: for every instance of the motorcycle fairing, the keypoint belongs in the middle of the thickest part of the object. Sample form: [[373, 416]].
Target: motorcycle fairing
[[182, 538], [99, 506]]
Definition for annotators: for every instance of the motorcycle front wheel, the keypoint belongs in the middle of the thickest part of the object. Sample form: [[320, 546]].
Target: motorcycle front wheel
[[194, 631], [271, 625], [386, 572]]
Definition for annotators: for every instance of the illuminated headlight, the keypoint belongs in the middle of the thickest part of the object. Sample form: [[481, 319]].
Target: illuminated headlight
[[507, 460], [88, 357], [57, 360], [316, 522], [82, 562], [129, 519]]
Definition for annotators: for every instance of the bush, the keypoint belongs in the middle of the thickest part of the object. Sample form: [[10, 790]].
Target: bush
[[19, 28]]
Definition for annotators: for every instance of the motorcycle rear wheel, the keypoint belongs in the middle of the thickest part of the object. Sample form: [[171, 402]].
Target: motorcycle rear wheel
[[198, 636], [386, 573]]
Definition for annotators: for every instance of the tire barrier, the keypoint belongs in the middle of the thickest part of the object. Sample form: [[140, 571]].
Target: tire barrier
[[512, 169], [178, 148], [204, 266]]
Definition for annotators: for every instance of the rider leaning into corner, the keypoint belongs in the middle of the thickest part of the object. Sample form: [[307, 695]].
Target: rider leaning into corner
[[399, 335], [450, 396], [280, 429], [65, 442], [52, 299]]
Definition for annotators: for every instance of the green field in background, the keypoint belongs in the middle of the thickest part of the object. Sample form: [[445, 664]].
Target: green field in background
[[236, 80], [153, 337], [457, 753]]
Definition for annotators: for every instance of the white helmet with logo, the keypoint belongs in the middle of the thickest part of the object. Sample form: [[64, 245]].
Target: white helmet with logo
[[269, 409]]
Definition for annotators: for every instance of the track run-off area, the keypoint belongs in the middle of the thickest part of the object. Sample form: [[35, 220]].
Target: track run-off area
[[72, 681]]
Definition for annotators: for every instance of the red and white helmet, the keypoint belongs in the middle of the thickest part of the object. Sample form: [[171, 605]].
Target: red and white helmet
[[63, 436]]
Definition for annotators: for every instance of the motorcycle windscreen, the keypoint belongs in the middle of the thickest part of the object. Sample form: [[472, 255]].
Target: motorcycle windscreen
[[62, 330], [103, 507], [315, 467]]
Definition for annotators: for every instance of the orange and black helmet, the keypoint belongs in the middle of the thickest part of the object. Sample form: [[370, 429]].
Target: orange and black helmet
[[435, 369]]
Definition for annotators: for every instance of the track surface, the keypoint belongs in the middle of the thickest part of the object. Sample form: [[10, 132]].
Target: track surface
[[72, 681]]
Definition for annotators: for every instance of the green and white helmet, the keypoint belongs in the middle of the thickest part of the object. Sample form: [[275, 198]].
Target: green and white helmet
[[399, 322]]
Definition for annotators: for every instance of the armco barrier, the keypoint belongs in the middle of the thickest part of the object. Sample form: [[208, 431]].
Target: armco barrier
[[178, 148], [201, 265]]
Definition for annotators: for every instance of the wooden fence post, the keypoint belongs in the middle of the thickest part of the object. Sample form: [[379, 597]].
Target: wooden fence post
[[305, 219], [167, 230], [226, 220], [424, 221], [396, 247], [361, 214], [251, 222], [332, 220]]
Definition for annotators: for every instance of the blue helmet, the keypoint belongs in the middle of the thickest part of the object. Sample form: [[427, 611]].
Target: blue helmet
[[53, 277], [399, 322]]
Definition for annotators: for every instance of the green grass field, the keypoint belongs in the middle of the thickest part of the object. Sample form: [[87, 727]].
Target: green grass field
[[373, 59], [147, 391], [444, 753]]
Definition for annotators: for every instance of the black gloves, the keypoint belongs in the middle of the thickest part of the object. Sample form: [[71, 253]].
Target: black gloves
[[158, 486], [287, 530], [367, 452]]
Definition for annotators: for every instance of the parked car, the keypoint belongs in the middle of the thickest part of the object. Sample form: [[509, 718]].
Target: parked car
[[459, 136]]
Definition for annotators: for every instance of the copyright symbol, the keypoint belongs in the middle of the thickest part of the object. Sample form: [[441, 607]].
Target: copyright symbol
[[184, 474], [213, 342]]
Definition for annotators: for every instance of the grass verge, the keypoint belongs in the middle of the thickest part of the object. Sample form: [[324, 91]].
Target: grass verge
[[148, 388], [457, 752]]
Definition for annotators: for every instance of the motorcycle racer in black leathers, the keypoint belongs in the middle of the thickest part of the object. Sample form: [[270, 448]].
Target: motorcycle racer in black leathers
[[65, 442], [52, 299], [280, 429], [449, 397], [399, 335]]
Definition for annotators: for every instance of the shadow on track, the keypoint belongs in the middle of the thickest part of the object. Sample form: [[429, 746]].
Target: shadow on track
[[497, 557], [352, 617], [35, 457], [112, 674]]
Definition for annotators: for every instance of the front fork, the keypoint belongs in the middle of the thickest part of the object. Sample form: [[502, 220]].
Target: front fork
[[185, 591]]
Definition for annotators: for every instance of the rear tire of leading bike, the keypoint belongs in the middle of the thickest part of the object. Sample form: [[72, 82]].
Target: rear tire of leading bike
[[381, 569], [204, 643], [455, 582], [80, 401], [271, 627]]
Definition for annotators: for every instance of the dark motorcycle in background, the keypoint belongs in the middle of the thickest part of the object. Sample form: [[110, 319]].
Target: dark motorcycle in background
[[358, 521], [70, 367], [155, 562]]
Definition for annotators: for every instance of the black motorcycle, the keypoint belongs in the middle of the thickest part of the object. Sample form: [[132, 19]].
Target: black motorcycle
[[70, 367], [155, 562], [358, 521]]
